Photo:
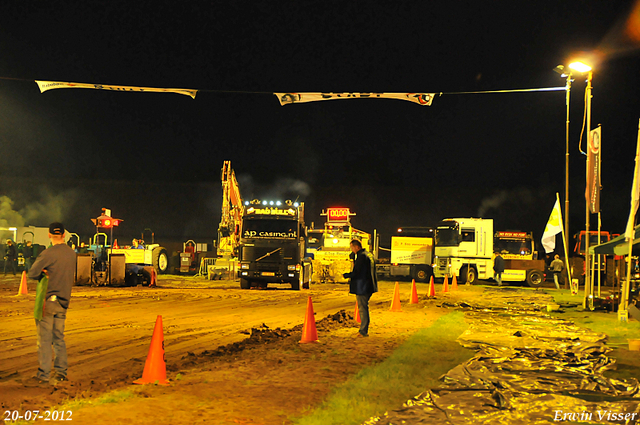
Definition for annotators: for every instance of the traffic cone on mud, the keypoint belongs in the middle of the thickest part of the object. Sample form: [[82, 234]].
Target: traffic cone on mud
[[309, 331], [155, 369], [432, 288], [357, 313], [23, 285], [445, 285], [395, 303], [414, 293], [454, 283]]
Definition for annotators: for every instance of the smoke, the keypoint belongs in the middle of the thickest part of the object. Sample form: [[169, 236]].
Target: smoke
[[492, 203], [49, 207], [8, 216], [282, 189]]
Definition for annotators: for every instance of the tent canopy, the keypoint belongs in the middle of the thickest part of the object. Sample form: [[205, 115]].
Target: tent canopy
[[618, 246]]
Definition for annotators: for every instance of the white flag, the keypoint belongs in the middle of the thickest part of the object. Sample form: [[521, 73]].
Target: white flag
[[554, 226], [635, 194]]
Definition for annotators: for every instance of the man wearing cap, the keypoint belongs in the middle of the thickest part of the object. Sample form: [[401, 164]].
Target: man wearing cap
[[58, 262]]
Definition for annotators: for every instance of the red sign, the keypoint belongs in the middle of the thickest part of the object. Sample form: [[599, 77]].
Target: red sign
[[511, 234], [337, 214]]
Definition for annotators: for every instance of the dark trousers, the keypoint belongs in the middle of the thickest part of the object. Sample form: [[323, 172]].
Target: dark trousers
[[11, 263], [363, 309]]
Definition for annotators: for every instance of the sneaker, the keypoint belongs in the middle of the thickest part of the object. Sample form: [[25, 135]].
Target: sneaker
[[359, 335], [59, 379], [34, 381]]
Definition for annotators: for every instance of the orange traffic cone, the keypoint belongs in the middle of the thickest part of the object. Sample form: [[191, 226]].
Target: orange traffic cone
[[432, 288], [414, 292], [23, 284], [357, 313], [445, 286], [309, 331], [454, 283], [155, 369], [395, 304], [115, 244]]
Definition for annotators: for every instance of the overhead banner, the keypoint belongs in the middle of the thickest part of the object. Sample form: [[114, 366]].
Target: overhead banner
[[593, 171], [423, 99], [50, 85]]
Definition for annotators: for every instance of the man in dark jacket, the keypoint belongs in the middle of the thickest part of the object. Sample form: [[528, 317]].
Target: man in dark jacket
[[10, 257], [363, 283], [498, 268]]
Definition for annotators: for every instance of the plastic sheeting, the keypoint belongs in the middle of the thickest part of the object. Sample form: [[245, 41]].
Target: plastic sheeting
[[530, 368]]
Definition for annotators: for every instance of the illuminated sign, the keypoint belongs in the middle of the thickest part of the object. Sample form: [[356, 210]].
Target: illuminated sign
[[511, 234], [265, 234], [338, 214], [271, 211]]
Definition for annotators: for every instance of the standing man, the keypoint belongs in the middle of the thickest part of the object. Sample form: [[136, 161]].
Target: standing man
[[556, 267], [363, 283], [498, 267], [27, 253], [58, 262], [10, 256]]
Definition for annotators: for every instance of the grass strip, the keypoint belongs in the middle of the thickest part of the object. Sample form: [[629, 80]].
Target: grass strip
[[411, 369]]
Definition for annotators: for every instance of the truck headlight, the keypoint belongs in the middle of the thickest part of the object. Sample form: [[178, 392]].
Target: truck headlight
[[291, 267], [244, 266]]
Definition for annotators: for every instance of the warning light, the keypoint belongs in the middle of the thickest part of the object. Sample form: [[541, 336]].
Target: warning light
[[106, 223]]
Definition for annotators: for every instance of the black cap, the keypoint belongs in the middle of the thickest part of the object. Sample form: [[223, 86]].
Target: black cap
[[56, 229]]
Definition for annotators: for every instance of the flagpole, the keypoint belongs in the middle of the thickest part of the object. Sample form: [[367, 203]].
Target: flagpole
[[564, 241], [630, 234]]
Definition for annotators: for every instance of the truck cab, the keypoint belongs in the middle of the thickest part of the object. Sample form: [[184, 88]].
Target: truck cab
[[464, 248], [272, 246]]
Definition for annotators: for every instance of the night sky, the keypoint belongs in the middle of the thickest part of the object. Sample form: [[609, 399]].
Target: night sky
[[155, 159]]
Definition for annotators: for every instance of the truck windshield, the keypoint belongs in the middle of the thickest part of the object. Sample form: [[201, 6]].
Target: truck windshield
[[269, 228], [448, 235], [512, 246]]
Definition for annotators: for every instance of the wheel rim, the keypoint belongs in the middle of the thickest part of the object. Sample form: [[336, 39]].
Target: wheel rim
[[162, 262], [422, 274]]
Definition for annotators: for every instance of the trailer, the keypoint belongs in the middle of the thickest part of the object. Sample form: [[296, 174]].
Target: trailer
[[412, 252]]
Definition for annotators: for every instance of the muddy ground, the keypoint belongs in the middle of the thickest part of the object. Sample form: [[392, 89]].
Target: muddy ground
[[229, 352]]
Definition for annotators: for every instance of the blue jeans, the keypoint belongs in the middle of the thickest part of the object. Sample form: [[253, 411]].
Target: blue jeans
[[51, 332], [363, 309]]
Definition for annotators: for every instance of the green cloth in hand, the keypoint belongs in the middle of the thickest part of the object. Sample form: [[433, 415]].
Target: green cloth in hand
[[41, 295]]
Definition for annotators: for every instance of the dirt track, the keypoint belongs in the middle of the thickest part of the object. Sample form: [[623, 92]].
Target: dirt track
[[108, 331]]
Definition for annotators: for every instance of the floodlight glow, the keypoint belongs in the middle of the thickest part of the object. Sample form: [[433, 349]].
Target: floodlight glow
[[246, 202], [278, 203], [264, 202], [271, 203], [295, 204], [580, 67]]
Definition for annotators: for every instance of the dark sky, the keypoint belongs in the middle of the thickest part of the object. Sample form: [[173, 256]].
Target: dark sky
[[155, 159]]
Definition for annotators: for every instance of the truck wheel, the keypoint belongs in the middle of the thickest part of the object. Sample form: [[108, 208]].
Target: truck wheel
[[245, 283], [160, 260], [535, 278], [423, 273], [469, 275]]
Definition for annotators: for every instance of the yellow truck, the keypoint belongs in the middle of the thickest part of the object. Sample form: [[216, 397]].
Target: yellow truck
[[331, 256]]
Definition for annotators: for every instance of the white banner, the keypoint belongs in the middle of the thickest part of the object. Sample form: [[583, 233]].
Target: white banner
[[423, 99], [50, 85], [635, 193], [554, 226]]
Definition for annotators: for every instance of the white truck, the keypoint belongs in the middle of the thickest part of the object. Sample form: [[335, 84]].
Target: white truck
[[465, 247], [411, 255]]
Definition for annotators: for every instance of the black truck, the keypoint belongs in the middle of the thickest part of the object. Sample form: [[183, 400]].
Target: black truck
[[272, 245]]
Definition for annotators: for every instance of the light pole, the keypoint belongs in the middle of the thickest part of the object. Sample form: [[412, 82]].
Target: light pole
[[560, 69], [588, 291]]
